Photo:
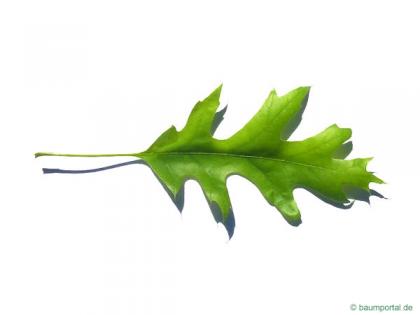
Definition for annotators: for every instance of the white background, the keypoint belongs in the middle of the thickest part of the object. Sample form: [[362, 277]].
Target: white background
[[103, 76]]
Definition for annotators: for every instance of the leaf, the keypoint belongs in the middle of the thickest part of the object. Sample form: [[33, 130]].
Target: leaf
[[260, 153]]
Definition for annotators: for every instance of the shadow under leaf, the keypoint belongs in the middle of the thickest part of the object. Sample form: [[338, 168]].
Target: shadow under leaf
[[178, 200]]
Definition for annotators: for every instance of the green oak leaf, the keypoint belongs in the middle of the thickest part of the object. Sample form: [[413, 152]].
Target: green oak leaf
[[260, 153]]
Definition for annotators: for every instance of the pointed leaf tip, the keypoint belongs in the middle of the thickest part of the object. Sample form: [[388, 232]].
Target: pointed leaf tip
[[304, 89], [217, 91]]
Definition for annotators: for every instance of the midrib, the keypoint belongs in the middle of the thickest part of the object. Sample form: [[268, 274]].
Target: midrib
[[243, 156]]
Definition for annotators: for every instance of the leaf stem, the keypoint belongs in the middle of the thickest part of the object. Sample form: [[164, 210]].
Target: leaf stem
[[38, 154]]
